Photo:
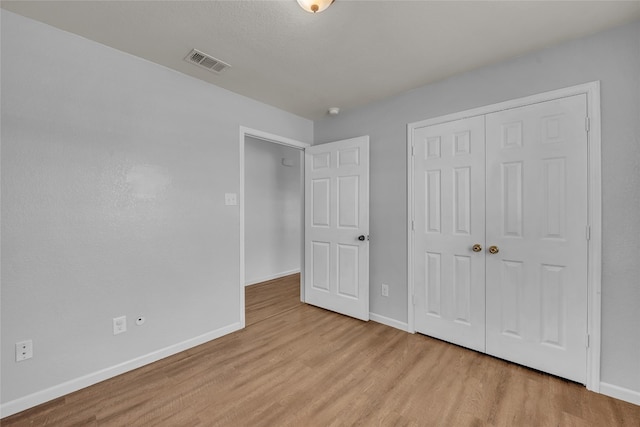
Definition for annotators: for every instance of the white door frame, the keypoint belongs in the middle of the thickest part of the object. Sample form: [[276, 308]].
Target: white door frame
[[288, 142], [594, 203]]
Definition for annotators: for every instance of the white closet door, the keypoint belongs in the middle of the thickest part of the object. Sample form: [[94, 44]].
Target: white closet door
[[537, 216], [449, 179]]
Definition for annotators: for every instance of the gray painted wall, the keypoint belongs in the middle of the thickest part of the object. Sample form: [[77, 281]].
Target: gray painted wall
[[114, 172], [272, 210], [613, 57]]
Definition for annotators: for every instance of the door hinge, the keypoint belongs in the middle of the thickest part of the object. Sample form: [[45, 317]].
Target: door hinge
[[413, 299], [412, 150], [413, 225], [587, 124], [587, 340], [588, 232]]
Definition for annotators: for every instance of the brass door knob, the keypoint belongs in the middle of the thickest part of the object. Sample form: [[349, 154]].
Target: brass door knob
[[493, 249], [476, 248]]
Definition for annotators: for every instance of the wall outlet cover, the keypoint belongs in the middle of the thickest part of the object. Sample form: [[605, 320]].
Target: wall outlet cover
[[24, 350], [119, 325], [385, 290]]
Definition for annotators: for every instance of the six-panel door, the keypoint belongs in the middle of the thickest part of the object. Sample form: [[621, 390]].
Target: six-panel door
[[337, 226], [449, 211], [537, 218]]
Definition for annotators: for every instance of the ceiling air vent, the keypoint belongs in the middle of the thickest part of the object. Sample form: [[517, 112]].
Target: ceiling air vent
[[205, 61]]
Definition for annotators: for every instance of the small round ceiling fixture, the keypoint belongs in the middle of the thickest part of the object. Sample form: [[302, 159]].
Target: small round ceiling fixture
[[334, 111], [315, 6]]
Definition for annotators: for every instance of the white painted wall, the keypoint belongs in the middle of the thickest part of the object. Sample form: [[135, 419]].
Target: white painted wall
[[114, 172], [613, 57], [273, 214]]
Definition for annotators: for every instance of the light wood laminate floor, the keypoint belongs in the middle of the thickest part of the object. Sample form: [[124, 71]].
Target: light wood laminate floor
[[298, 365]]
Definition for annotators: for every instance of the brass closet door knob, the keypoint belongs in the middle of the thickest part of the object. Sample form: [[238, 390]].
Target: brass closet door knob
[[476, 248], [493, 249]]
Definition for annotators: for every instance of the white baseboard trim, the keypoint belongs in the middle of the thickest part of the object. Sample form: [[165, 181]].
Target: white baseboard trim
[[271, 277], [389, 322], [37, 398], [621, 393]]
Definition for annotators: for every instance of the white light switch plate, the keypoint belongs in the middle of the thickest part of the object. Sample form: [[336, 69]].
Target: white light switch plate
[[230, 199]]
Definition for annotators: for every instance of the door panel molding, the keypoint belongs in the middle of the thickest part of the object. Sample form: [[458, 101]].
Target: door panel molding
[[594, 201]]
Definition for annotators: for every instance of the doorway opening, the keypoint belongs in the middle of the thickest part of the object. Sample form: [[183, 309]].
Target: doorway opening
[[271, 214]]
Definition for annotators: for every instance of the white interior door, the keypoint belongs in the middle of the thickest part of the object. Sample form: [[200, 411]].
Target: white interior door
[[449, 173], [336, 267], [537, 218]]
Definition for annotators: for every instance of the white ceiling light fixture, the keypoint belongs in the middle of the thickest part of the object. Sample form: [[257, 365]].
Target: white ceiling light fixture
[[315, 6]]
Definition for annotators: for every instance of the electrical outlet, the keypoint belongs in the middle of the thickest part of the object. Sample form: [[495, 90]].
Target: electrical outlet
[[385, 290], [24, 350], [230, 199], [119, 325]]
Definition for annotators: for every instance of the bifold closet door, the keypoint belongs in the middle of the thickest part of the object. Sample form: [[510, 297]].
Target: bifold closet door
[[449, 276], [536, 217]]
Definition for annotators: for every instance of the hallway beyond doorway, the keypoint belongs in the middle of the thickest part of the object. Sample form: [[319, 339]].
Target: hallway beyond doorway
[[266, 299]]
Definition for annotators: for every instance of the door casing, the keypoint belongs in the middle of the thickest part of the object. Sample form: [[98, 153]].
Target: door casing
[[594, 207], [276, 139]]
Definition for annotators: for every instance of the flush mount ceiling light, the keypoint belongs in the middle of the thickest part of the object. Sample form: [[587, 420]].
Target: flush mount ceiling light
[[315, 6]]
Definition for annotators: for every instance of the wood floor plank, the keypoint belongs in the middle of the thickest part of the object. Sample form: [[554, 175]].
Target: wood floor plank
[[299, 365], [266, 299]]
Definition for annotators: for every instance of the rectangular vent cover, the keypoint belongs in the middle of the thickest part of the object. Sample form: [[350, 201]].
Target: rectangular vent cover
[[205, 61]]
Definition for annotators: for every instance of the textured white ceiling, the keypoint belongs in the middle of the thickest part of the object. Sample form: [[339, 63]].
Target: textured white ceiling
[[353, 53]]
